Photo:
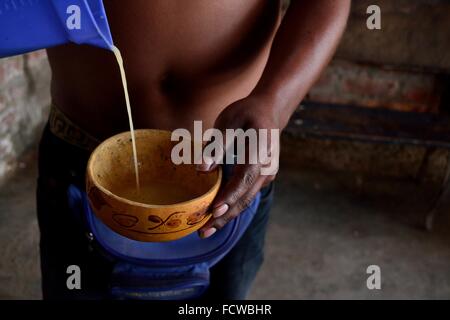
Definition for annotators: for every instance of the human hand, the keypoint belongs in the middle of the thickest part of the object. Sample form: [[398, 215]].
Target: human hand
[[257, 161]]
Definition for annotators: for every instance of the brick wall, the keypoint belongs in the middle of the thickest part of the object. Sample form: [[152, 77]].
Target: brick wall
[[415, 33], [346, 82], [24, 105], [404, 66]]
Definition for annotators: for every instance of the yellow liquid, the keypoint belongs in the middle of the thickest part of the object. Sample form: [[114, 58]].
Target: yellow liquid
[[130, 119], [157, 193]]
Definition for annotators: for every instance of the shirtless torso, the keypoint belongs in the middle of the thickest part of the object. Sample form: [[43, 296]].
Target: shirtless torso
[[185, 61]]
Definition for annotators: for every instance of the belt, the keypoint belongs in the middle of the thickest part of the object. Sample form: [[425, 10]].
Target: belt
[[64, 128]]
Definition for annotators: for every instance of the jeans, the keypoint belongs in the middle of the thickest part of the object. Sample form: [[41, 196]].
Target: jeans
[[64, 242]]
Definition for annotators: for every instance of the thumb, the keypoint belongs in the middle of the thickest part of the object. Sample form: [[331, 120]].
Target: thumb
[[212, 153], [206, 165]]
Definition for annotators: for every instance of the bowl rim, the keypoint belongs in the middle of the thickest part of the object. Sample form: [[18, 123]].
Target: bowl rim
[[90, 174]]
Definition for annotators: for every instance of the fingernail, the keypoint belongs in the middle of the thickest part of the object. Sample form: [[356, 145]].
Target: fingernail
[[206, 164], [220, 211], [203, 167], [209, 232]]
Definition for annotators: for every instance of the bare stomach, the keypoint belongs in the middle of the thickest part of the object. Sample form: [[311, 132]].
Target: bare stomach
[[185, 61]]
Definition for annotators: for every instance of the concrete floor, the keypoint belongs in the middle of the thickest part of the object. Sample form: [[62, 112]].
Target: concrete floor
[[323, 236], [326, 228]]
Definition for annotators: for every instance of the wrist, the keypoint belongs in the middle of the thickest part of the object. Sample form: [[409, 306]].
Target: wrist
[[272, 106]]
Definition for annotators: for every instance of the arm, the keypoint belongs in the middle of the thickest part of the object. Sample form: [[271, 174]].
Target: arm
[[303, 46]]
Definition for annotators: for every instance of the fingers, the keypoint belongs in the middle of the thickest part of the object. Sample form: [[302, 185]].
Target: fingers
[[242, 204], [208, 164], [242, 179], [237, 194], [246, 180]]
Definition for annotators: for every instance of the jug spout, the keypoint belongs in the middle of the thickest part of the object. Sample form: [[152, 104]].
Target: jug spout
[[85, 22], [28, 25]]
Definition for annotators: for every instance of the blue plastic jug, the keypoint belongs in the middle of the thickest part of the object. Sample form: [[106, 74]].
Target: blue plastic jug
[[28, 25]]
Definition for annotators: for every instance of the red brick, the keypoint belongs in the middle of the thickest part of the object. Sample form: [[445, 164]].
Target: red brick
[[374, 87]]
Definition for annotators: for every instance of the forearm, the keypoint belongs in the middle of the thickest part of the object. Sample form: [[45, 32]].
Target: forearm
[[303, 46]]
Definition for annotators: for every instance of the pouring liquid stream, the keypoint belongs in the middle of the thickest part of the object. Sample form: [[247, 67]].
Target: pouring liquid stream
[[119, 59]]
